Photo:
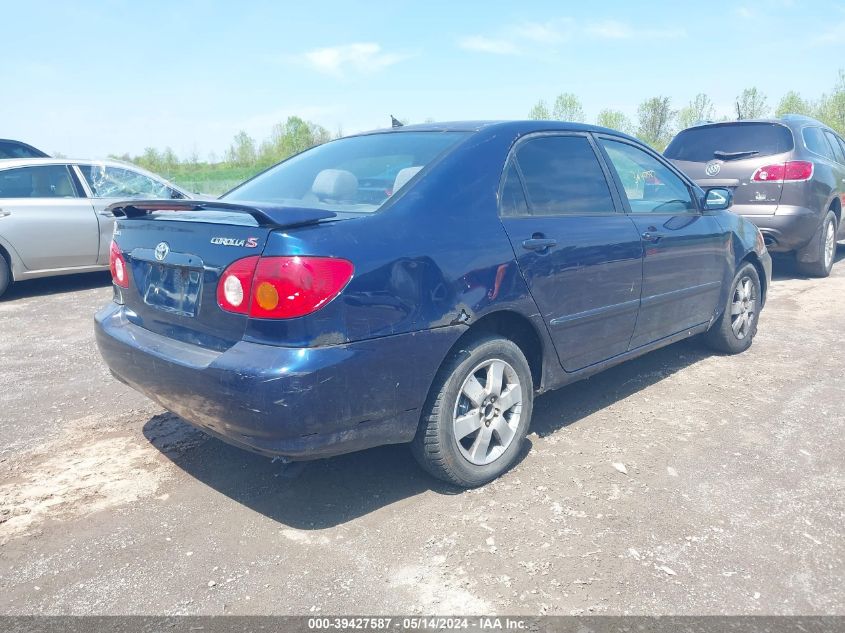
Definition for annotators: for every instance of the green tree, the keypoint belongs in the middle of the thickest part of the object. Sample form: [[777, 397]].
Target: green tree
[[793, 103], [615, 120], [291, 137], [831, 108], [751, 104], [567, 107], [242, 152], [539, 112], [699, 109], [656, 122]]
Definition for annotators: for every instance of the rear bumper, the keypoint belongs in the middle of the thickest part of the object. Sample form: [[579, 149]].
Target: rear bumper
[[788, 229], [302, 403]]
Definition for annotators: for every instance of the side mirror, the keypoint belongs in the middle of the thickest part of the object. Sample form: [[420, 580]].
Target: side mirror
[[718, 199]]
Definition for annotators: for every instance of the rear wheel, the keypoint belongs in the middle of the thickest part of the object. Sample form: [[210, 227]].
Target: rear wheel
[[5, 275], [734, 331], [477, 414], [822, 249]]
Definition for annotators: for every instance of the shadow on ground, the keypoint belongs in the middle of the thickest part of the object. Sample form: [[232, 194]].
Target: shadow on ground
[[784, 265], [54, 285], [328, 492]]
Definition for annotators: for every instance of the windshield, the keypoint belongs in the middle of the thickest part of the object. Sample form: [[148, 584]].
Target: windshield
[[729, 141], [358, 173]]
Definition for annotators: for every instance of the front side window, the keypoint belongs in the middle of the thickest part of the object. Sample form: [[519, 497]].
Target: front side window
[[357, 173], [815, 141], [650, 186], [118, 182], [563, 176], [42, 181]]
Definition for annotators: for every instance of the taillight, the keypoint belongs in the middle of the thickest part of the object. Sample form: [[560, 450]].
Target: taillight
[[791, 171], [282, 287], [119, 270], [235, 285]]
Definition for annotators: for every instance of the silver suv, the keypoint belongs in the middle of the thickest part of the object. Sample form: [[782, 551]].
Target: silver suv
[[787, 176]]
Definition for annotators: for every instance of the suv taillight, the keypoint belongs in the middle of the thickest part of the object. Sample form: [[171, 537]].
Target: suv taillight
[[791, 171], [119, 270], [282, 287]]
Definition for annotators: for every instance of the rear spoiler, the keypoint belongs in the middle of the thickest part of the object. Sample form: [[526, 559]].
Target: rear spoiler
[[267, 215]]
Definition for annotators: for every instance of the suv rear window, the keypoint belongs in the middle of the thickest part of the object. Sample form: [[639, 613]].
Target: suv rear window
[[704, 143]]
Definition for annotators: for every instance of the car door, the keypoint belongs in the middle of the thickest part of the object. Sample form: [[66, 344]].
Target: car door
[[580, 256], [838, 146], [685, 251], [46, 219], [109, 184]]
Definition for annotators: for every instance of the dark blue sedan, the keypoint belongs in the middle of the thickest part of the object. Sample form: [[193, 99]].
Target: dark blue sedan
[[422, 285]]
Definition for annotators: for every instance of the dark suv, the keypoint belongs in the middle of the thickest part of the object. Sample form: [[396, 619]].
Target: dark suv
[[17, 149], [787, 175]]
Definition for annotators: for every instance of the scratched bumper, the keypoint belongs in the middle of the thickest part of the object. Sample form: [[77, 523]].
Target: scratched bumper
[[303, 403]]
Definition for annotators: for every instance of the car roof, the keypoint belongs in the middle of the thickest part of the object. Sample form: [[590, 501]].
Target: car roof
[[518, 127], [792, 121]]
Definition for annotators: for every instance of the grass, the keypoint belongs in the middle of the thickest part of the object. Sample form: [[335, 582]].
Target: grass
[[209, 178]]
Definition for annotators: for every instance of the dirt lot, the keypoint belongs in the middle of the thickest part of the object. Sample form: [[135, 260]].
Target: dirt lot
[[733, 501]]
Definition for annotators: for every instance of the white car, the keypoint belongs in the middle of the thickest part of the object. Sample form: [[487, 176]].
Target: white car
[[53, 218]]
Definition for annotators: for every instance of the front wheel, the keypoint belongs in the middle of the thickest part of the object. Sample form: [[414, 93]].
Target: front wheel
[[477, 413], [734, 331]]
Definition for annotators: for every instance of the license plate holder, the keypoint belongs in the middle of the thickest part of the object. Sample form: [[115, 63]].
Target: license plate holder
[[174, 289]]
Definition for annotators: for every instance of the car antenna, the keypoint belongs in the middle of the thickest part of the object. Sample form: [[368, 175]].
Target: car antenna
[[394, 122]]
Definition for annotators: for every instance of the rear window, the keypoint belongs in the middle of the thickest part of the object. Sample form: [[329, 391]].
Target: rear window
[[730, 140], [14, 149], [358, 173]]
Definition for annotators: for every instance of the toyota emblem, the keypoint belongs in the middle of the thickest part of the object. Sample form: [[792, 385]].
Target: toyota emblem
[[161, 251]]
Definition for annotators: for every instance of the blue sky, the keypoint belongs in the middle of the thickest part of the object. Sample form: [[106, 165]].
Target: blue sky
[[98, 77]]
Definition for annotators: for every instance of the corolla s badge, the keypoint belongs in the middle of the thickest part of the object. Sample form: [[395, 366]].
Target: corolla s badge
[[161, 251], [713, 168], [250, 242]]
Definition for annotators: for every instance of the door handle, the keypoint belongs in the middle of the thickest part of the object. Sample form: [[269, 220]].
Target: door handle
[[538, 243], [651, 236]]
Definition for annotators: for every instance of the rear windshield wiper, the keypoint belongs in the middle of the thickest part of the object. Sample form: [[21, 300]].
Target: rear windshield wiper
[[733, 155]]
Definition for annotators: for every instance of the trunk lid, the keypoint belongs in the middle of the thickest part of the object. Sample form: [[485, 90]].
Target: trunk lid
[[176, 253]]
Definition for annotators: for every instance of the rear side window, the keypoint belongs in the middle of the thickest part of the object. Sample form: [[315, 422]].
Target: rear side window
[[42, 181], [513, 197], [730, 141], [563, 176], [837, 149], [815, 141]]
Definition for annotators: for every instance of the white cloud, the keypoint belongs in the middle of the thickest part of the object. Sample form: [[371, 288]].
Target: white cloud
[[615, 30], [359, 58], [744, 12], [482, 44], [543, 32]]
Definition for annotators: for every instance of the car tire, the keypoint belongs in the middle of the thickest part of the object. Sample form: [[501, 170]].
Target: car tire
[[734, 331], [822, 250], [5, 275], [466, 437]]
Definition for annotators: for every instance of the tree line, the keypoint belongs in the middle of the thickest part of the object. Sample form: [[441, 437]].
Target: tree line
[[657, 121]]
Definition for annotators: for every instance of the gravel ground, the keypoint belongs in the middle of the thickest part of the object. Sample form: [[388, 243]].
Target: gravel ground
[[679, 483]]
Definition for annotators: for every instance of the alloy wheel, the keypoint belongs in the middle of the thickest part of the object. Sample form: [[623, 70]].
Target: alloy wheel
[[487, 411], [829, 245], [743, 307]]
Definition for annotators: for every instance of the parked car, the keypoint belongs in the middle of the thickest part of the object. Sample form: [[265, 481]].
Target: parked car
[[53, 213], [787, 176], [299, 316], [16, 149]]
